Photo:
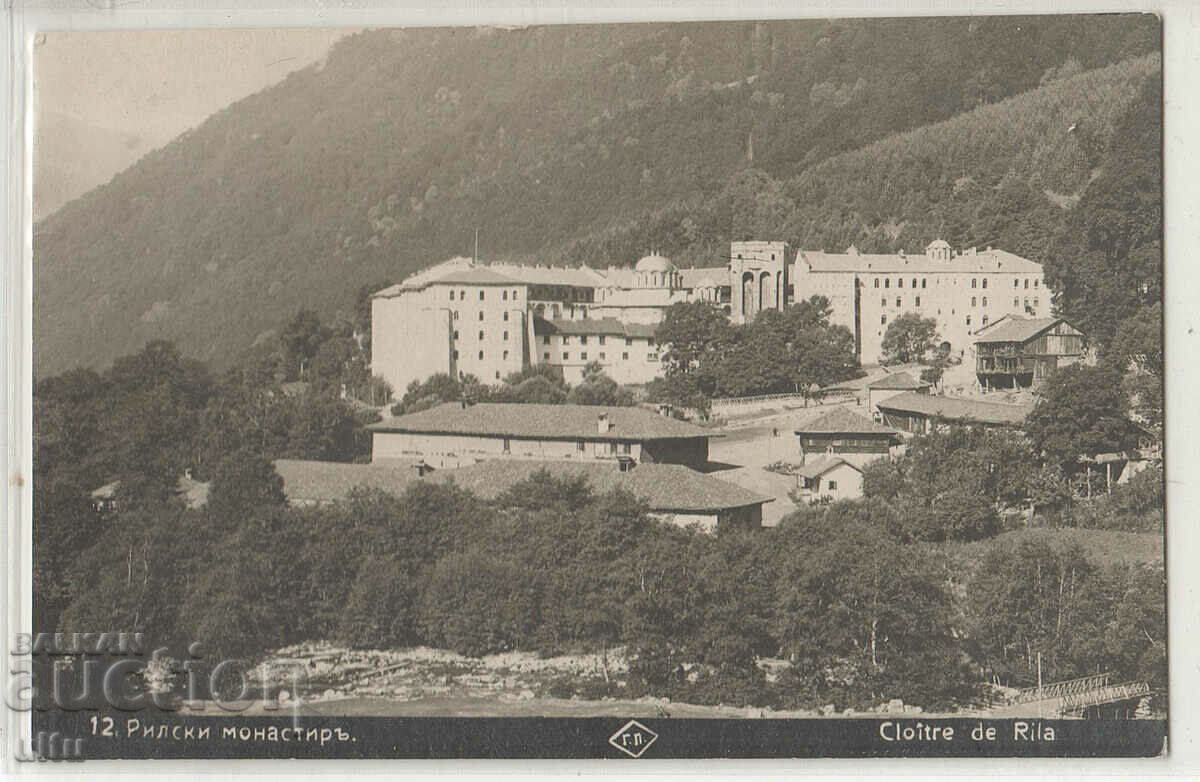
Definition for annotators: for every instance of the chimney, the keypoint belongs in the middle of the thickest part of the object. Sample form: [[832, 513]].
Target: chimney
[[603, 424]]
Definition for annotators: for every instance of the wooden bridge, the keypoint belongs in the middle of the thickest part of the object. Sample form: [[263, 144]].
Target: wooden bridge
[[1073, 697]]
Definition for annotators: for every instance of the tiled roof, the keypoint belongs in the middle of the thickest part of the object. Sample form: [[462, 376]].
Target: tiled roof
[[477, 275], [545, 422], [843, 421], [581, 277], [664, 487], [313, 481], [897, 381], [956, 409], [1015, 329], [823, 465], [698, 278], [590, 326], [982, 262]]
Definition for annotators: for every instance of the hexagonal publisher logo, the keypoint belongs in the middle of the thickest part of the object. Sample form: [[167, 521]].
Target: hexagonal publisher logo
[[633, 739]]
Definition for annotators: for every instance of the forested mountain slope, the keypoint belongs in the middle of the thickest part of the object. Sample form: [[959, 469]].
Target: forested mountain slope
[[576, 143]]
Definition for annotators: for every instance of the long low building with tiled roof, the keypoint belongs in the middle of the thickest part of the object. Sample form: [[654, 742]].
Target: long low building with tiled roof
[[921, 413], [672, 492], [453, 434]]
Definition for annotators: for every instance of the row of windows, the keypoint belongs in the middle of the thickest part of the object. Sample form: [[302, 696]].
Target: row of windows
[[584, 356], [583, 340], [481, 335], [626, 448], [900, 302], [481, 356], [462, 295], [887, 283], [454, 315], [975, 282]]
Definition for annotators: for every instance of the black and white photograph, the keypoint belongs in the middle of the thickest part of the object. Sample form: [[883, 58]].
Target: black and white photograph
[[748, 389]]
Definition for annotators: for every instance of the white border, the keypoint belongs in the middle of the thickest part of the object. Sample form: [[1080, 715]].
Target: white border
[[1181, 67]]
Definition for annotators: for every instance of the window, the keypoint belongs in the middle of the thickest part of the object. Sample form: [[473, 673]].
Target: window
[[456, 355], [626, 448], [1027, 284], [650, 341], [498, 377], [566, 340], [918, 301], [462, 295], [1035, 302], [545, 339], [481, 335], [515, 292], [974, 301], [451, 295], [900, 283], [922, 282], [456, 315], [506, 315], [882, 319], [545, 356], [566, 356], [506, 336], [583, 340], [973, 281], [985, 301], [602, 356], [481, 355], [833, 485], [898, 301], [612, 449], [583, 356], [968, 320], [456, 335], [876, 282], [601, 339], [914, 282], [887, 283], [985, 282], [504, 295], [506, 355], [579, 446], [1035, 284], [882, 301], [1016, 302], [629, 340], [985, 320], [481, 314], [481, 295]]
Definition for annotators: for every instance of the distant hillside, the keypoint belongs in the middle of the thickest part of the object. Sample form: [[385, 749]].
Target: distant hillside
[[1005, 174], [559, 143]]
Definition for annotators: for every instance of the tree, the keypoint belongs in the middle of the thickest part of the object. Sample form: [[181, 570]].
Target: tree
[[301, 339], [1081, 411], [243, 482], [597, 388], [908, 338]]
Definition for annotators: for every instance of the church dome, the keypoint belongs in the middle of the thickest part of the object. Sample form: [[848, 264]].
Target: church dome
[[655, 263]]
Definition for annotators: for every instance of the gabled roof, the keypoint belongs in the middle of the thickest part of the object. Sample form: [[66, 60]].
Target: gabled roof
[[1017, 329], [819, 467], [897, 381], [956, 409], [664, 487], [589, 326], [476, 275], [842, 421], [543, 422]]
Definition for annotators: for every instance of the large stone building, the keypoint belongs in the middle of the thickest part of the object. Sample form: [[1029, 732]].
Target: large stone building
[[490, 320]]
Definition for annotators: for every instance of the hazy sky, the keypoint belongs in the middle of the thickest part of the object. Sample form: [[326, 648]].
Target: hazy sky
[[104, 99]]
